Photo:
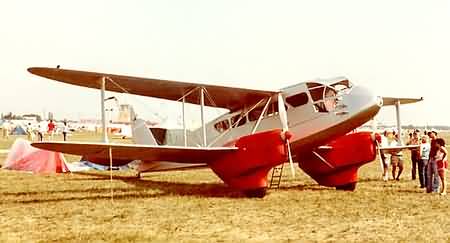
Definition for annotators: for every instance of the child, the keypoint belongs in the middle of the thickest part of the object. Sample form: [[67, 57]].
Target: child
[[441, 161]]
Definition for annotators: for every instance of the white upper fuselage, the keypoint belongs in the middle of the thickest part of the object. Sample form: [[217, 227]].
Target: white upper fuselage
[[317, 111]]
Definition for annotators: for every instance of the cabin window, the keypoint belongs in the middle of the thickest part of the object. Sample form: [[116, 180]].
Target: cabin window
[[255, 114], [222, 126], [236, 118], [330, 99], [273, 109], [297, 100]]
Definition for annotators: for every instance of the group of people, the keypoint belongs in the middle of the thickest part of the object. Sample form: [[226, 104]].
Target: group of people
[[40, 130], [428, 159], [51, 129]]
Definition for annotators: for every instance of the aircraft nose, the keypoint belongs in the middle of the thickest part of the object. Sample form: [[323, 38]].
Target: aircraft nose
[[362, 98]]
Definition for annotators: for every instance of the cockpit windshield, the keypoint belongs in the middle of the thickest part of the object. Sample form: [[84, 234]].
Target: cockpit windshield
[[327, 97], [342, 87]]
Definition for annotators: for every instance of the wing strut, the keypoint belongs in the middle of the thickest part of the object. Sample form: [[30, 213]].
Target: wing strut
[[102, 96], [202, 110], [110, 174], [261, 115], [184, 122], [399, 122]]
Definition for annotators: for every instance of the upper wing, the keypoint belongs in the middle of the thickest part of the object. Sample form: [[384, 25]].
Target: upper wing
[[124, 153], [224, 97], [392, 100], [393, 149]]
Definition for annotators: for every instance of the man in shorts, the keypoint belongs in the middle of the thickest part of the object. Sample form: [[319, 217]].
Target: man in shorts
[[396, 158]]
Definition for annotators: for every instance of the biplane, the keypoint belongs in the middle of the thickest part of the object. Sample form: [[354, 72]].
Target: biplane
[[310, 123]]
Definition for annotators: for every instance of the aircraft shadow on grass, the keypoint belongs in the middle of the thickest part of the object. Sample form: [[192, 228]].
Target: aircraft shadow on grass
[[144, 188]]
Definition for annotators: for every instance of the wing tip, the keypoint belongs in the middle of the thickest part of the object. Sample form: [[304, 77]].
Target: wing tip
[[42, 71], [32, 70], [37, 70], [38, 145]]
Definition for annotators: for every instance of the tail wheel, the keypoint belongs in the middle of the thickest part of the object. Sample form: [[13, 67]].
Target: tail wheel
[[347, 187]]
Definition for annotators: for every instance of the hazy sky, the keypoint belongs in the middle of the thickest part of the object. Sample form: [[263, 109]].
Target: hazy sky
[[397, 48]]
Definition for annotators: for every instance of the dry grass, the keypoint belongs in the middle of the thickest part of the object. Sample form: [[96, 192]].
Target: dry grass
[[196, 206]]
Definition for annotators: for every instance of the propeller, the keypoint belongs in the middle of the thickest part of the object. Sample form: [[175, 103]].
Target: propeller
[[377, 139], [286, 135]]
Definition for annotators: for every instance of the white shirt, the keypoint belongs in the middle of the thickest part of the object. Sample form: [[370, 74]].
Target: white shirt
[[384, 141], [425, 151], [395, 143]]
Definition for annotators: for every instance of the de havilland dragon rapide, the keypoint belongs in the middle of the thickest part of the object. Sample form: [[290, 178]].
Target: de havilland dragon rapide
[[312, 123]]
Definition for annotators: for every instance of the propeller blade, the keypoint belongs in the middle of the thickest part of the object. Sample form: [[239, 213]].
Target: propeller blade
[[282, 112], [291, 162], [379, 157], [284, 123]]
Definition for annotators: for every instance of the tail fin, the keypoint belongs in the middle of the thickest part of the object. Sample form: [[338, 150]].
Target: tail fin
[[141, 134]]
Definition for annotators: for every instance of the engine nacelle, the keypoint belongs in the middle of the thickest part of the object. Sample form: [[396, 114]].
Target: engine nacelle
[[247, 168], [337, 163]]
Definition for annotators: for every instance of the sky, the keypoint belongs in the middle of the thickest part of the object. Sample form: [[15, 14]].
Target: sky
[[396, 48]]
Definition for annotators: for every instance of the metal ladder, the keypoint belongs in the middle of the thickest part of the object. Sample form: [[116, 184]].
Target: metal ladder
[[277, 173]]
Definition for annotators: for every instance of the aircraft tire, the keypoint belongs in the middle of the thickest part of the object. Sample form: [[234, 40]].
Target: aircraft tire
[[258, 192], [347, 187]]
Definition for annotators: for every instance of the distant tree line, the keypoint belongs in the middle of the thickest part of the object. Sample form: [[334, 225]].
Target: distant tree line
[[11, 116], [429, 127], [438, 127]]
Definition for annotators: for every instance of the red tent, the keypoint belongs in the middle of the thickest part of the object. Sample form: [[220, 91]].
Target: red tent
[[22, 156]]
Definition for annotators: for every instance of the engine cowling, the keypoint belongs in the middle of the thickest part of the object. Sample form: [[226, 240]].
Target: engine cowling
[[337, 163], [247, 168]]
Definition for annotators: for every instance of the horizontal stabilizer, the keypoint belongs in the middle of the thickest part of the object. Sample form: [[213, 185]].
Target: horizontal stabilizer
[[387, 101]]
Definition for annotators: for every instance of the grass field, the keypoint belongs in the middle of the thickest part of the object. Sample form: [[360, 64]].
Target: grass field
[[196, 206]]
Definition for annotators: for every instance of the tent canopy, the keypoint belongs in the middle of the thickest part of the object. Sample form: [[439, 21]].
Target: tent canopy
[[22, 156], [19, 130]]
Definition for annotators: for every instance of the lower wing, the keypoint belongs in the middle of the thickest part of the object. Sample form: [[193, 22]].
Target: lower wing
[[124, 153]]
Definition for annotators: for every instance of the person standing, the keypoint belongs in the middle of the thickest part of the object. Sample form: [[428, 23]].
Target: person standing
[[424, 152], [396, 158], [441, 162], [40, 132], [385, 157], [65, 131], [415, 157], [30, 134], [6, 129], [51, 129], [432, 172]]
